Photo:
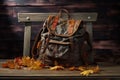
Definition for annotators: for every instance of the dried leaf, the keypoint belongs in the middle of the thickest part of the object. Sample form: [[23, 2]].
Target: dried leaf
[[57, 68]]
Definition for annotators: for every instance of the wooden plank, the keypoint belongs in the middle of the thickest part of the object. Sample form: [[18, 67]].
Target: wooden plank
[[108, 71], [33, 17]]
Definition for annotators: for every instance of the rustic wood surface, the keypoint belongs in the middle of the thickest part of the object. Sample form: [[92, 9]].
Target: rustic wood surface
[[107, 70]]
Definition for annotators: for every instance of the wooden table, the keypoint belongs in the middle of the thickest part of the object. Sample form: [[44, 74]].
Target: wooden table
[[107, 71]]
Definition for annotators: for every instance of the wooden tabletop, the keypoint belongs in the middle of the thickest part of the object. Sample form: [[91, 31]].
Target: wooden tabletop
[[107, 70]]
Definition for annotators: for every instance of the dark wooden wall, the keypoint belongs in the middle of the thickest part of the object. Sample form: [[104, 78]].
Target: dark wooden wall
[[106, 29]]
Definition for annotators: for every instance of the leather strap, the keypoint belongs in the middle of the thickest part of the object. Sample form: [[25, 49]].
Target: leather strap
[[59, 42]]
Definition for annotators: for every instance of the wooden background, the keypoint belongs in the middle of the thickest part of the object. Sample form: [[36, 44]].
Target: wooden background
[[106, 29]]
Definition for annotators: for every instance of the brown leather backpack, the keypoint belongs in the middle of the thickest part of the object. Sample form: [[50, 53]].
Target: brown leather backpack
[[62, 40]]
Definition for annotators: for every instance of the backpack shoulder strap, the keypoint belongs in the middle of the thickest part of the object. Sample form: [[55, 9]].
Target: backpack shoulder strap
[[35, 44]]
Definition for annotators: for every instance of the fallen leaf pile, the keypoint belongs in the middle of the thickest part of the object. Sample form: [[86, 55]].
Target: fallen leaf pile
[[85, 71], [19, 63], [32, 64]]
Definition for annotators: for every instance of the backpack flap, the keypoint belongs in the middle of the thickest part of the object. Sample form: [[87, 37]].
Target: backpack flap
[[60, 27]]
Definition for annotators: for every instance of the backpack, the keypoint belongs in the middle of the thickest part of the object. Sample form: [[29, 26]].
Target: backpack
[[62, 41]]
